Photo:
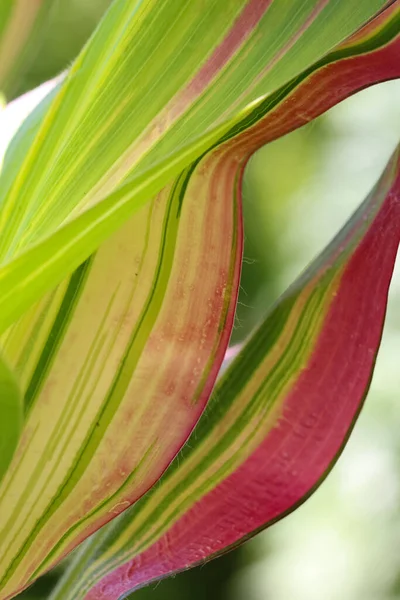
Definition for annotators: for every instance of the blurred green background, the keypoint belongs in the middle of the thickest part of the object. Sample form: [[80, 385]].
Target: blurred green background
[[344, 543]]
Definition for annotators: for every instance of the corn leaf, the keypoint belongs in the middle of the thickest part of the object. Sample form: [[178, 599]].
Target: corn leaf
[[276, 422], [284, 383], [131, 343], [59, 204], [136, 109]]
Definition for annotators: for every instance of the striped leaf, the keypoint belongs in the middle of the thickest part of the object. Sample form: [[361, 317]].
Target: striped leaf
[[58, 204], [276, 374], [276, 422], [102, 354], [21, 25], [131, 343]]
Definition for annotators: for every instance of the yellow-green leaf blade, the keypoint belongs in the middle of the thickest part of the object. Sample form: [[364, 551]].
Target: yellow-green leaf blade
[[11, 415]]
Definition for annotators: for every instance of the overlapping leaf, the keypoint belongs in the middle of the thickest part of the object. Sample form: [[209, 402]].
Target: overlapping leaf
[[276, 421], [110, 128], [59, 204], [131, 344], [281, 414]]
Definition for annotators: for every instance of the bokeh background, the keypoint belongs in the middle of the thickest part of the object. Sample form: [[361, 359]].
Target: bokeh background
[[343, 543]]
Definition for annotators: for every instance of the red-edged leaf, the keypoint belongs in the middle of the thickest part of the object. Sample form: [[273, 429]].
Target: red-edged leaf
[[283, 411], [276, 423], [133, 344]]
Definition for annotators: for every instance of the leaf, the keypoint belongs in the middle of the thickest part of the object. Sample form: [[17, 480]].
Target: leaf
[[21, 27], [131, 343], [59, 204], [276, 422], [11, 413], [131, 534], [55, 226]]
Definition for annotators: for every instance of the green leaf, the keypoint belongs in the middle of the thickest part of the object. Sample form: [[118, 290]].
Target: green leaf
[[137, 114], [11, 416]]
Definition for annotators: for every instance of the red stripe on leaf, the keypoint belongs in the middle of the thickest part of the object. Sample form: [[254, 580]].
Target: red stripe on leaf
[[317, 416], [241, 30], [286, 467], [323, 89], [238, 34], [320, 409]]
